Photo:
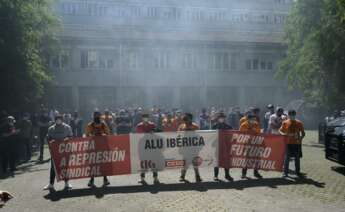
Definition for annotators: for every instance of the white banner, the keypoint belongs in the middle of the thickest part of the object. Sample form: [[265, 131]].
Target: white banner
[[173, 150]]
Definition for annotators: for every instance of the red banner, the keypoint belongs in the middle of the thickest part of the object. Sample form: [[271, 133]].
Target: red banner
[[111, 155], [91, 156], [244, 150]]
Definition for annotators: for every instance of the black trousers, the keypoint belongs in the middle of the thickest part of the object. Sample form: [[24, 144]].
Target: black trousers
[[155, 174], [52, 173], [8, 154], [92, 179], [216, 172], [43, 134]]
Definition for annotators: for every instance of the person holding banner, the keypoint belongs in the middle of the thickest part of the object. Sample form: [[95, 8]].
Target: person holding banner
[[245, 117], [251, 126], [58, 132], [222, 125], [189, 125], [97, 128], [147, 126], [294, 129], [168, 124]]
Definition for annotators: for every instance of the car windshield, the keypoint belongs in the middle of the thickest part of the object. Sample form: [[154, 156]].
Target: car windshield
[[337, 122]]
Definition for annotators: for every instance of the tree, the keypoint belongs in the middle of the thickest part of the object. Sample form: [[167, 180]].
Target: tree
[[315, 61], [27, 30]]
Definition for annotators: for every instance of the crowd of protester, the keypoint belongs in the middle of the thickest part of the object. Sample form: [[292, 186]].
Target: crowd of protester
[[19, 139]]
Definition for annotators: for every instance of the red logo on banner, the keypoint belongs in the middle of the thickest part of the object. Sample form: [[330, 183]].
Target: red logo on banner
[[174, 163]]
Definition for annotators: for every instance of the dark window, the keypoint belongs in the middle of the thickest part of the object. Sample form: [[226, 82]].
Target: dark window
[[255, 64], [84, 59], [248, 64], [269, 66], [233, 61]]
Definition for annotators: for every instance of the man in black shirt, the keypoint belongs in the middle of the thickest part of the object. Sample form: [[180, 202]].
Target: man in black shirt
[[8, 135], [123, 123], [43, 124], [221, 125]]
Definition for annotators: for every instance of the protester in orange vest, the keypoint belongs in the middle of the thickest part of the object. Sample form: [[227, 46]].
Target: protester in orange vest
[[97, 128], [294, 129], [108, 119], [245, 117], [178, 119], [250, 126], [146, 126], [189, 125]]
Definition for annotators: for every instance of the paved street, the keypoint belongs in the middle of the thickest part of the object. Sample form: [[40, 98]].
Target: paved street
[[322, 190]]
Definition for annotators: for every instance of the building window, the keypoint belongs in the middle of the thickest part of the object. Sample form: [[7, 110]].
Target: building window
[[162, 60], [189, 61], [233, 61], [219, 61], [152, 12], [61, 60], [269, 65], [131, 59], [89, 59], [262, 65], [255, 64]]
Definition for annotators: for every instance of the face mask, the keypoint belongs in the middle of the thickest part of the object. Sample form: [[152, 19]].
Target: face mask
[[221, 120], [58, 121], [97, 119], [145, 119]]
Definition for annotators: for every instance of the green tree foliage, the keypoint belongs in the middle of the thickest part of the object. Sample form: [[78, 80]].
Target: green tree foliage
[[27, 29], [315, 61]]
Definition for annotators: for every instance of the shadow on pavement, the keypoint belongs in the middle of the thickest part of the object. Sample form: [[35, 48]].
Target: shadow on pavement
[[339, 169], [202, 187], [25, 167]]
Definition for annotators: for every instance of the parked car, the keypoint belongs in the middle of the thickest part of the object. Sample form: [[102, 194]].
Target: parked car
[[335, 140]]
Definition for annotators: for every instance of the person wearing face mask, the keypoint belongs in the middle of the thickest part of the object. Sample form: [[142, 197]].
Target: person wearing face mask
[[221, 125], [189, 125], [250, 126], [275, 121], [168, 124], [146, 126], [294, 129], [97, 128], [56, 133]]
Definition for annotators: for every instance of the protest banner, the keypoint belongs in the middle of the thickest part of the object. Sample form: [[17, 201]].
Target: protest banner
[[171, 150], [245, 150], [141, 152], [91, 156]]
